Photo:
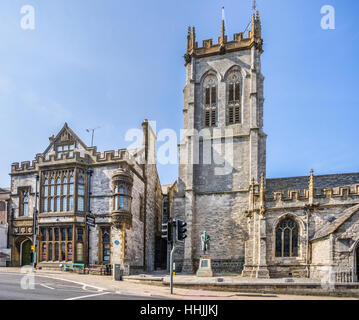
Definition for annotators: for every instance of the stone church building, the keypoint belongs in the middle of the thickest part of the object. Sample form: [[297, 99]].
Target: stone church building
[[259, 227], [120, 189]]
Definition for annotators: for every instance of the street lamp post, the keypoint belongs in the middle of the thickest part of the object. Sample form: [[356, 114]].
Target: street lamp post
[[34, 226], [89, 173]]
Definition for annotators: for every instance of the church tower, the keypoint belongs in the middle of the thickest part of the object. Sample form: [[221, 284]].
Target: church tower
[[223, 152]]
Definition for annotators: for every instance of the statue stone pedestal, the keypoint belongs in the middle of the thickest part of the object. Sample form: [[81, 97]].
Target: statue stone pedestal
[[205, 267]]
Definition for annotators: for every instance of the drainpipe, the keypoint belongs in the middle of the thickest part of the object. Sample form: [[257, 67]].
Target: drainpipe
[[34, 226]]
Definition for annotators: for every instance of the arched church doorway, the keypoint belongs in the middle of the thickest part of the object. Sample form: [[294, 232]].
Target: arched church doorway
[[26, 255]]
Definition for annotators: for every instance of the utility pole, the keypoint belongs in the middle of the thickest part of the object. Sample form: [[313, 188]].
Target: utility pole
[[89, 173], [34, 226]]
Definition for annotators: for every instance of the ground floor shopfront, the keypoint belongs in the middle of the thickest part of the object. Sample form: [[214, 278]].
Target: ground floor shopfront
[[58, 244]]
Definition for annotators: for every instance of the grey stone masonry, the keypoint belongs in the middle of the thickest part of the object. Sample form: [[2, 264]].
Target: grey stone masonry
[[286, 227], [218, 162], [118, 188]]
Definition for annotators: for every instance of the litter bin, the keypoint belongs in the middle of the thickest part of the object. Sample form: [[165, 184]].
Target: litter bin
[[118, 272], [108, 270]]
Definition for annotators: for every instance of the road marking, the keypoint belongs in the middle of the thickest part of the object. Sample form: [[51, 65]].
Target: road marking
[[88, 296], [44, 285], [84, 288], [55, 278]]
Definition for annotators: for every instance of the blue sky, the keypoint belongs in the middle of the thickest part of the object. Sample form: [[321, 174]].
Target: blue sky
[[113, 63]]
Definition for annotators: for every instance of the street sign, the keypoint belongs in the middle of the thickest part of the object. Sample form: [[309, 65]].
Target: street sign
[[90, 221], [32, 248]]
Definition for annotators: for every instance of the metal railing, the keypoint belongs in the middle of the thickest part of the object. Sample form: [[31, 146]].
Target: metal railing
[[344, 276]]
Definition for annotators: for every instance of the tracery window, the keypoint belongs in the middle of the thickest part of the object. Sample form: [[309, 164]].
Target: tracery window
[[58, 191], [24, 202], [234, 97], [106, 244], [56, 244], [67, 149], [287, 238], [210, 101]]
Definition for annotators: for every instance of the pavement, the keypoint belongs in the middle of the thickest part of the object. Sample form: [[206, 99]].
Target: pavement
[[133, 287]]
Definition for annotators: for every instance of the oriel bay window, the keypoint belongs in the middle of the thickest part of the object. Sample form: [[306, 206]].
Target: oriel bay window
[[58, 191], [121, 213], [122, 201], [56, 244]]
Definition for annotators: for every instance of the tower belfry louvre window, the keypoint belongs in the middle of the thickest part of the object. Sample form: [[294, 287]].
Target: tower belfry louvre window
[[210, 101], [234, 98]]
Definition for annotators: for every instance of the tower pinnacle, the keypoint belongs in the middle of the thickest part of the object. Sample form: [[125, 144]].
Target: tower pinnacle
[[223, 27]]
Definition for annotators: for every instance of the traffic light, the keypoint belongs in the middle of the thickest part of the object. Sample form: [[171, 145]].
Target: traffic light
[[164, 231], [181, 230], [167, 231]]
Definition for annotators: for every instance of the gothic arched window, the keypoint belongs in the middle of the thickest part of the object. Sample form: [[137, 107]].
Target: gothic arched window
[[24, 202], [210, 100], [233, 98], [287, 238]]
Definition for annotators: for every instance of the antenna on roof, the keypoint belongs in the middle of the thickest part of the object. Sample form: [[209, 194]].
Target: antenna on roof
[[223, 15], [254, 8], [93, 133]]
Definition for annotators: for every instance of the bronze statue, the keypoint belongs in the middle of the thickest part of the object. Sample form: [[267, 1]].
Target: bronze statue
[[205, 240]]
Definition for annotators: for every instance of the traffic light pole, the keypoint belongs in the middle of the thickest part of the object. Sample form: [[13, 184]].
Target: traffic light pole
[[171, 267], [173, 245]]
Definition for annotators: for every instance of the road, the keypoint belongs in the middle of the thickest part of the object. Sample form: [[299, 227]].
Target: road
[[24, 287]]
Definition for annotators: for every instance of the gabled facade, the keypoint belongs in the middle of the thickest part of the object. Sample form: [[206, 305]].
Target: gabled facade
[[69, 181]]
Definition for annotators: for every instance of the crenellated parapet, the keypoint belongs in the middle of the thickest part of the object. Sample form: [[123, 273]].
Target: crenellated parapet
[[223, 46], [294, 195], [304, 196], [89, 157]]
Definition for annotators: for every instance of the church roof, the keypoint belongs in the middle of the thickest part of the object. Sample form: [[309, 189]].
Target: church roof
[[321, 182], [332, 226]]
